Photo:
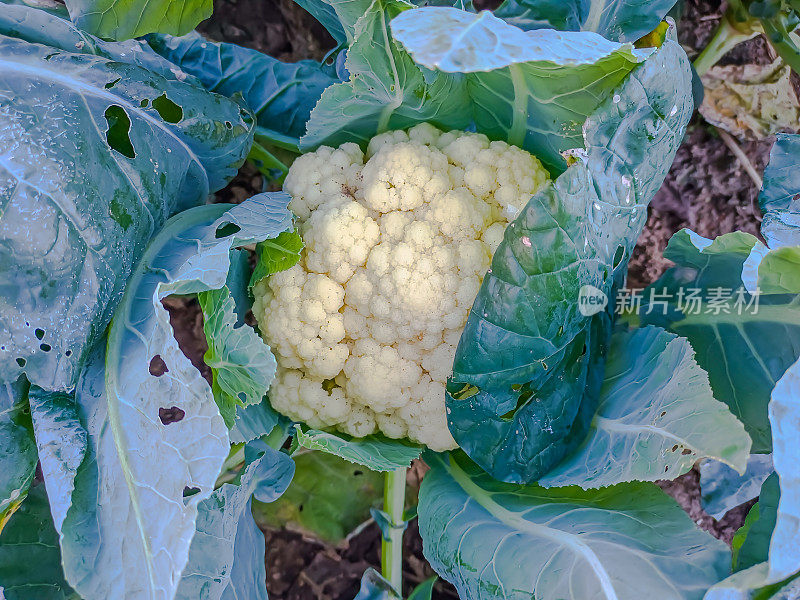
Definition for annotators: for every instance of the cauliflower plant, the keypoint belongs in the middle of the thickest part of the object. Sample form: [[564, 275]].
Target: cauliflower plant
[[365, 326]]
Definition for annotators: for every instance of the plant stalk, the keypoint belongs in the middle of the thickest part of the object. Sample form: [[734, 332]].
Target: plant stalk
[[394, 499], [725, 39]]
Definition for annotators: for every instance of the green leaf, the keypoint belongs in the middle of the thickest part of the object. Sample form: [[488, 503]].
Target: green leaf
[[280, 94], [535, 360], [61, 440], [386, 89], [376, 452], [424, 590], [51, 26], [533, 89], [784, 416], [277, 255], [155, 442], [754, 547], [625, 542], [242, 365], [126, 19], [780, 195], [93, 181], [328, 498], [253, 422], [30, 566], [375, 587], [325, 13], [655, 418], [617, 20], [744, 350], [722, 488], [226, 558], [17, 448], [750, 584]]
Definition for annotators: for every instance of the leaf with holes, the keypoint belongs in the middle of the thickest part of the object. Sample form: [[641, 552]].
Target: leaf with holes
[[624, 542], [656, 416], [226, 558], [155, 442], [280, 94], [97, 154]]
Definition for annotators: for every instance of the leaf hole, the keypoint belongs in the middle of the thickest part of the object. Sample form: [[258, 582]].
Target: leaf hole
[[21, 361], [144, 103], [39, 333], [686, 452], [226, 230], [188, 492], [619, 255], [228, 125], [51, 55], [358, 473], [68, 353], [171, 415], [118, 132], [45, 347], [111, 84], [167, 109], [157, 366]]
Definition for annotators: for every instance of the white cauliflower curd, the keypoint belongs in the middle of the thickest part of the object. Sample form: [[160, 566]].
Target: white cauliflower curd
[[365, 326]]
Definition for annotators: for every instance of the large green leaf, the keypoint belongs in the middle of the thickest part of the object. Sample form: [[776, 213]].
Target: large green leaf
[[534, 89], [375, 452], [97, 154], [780, 194], [496, 540], [529, 366], [386, 89], [617, 20], [226, 558], [155, 440], [722, 488], [328, 497], [784, 416], [17, 448], [126, 19], [744, 350], [280, 94], [655, 418], [30, 567]]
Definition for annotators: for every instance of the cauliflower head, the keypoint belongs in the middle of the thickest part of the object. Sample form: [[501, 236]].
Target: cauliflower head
[[365, 326]]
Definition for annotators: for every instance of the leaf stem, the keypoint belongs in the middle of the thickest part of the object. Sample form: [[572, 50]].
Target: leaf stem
[[725, 39], [394, 497]]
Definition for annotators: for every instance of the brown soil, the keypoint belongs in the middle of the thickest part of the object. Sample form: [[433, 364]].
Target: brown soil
[[706, 190]]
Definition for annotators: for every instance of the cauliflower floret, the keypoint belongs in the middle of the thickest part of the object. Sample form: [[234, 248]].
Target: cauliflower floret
[[365, 326]]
